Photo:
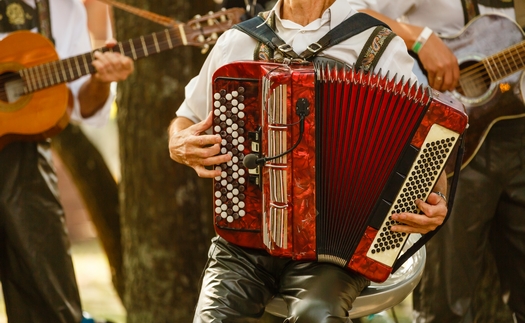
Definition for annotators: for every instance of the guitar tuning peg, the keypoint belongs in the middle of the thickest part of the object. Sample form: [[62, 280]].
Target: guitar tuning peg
[[205, 48], [197, 25]]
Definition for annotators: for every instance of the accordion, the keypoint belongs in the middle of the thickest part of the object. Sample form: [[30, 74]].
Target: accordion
[[322, 156]]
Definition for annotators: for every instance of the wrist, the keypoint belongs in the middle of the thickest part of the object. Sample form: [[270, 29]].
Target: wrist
[[421, 40], [440, 195]]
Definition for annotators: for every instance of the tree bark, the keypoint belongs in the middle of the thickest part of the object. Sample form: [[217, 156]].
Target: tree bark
[[165, 207]]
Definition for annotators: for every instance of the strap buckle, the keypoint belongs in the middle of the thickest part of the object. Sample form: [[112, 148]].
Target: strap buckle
[[314, 50], [285, 48]]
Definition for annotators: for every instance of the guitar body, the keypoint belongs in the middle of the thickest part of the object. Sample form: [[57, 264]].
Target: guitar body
[[487, 102], [36, 115], [33, 92]]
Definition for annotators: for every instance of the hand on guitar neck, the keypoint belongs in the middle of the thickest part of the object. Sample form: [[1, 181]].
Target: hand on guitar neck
[[110, 67]]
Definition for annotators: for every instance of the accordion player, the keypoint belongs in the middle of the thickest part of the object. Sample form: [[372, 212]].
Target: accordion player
[[322, 156]]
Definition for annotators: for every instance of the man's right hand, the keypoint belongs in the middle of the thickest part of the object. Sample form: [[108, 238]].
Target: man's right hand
[[189, 145], [440, 63]]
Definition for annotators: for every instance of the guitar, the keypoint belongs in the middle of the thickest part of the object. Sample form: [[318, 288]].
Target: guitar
[[33, 91], [491, 55]]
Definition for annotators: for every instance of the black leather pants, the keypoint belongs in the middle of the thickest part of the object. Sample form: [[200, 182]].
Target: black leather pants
[[489, 213], [36, 270], [239, 282]]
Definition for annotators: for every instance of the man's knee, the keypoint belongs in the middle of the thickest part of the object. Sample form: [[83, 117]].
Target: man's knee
[[318, 311]]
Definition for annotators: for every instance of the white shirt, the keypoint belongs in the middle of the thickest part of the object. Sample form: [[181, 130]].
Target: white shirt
[[71, 35], [447, 21], [235, 45]]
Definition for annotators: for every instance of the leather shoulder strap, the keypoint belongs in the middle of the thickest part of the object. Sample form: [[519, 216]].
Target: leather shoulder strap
[[263, 32], [470, 10], [374, 48], [352, 26], [44, 19]]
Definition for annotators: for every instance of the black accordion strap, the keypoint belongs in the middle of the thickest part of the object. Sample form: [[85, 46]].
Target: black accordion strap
[[352, 26], [453, 185], [259, 30]]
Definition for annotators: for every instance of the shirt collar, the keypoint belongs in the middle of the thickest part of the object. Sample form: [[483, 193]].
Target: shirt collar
[[335, 15]]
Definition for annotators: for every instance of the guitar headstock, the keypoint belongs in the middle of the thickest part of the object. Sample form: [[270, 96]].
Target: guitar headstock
[[203, 31]]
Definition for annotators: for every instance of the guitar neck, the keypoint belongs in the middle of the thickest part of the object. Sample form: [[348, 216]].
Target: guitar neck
[[46, 75], [506, 62]]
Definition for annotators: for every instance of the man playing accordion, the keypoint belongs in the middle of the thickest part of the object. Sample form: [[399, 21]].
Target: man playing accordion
[[238, 282]]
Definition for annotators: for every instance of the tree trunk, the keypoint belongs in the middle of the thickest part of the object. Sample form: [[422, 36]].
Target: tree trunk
[[165, 207], [98, 190]]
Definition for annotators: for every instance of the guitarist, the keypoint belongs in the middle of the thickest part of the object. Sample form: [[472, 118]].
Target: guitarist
[[36, 270], [489, 208]]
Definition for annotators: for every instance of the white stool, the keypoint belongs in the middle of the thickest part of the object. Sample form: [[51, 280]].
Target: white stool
[[377, 297]]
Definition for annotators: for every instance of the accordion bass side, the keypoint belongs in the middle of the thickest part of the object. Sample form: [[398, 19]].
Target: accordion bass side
[[321, 157]]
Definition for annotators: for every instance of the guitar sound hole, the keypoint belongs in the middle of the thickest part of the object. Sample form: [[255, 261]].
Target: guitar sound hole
[[11, 87], [474, 80]]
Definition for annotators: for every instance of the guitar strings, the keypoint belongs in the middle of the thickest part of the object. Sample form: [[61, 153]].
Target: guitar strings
[[476, 74], [42, 76], [510, 57], [479, 76]]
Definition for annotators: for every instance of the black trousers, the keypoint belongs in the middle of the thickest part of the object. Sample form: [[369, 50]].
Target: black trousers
[[36, 269], [489, 213], [239, 282]]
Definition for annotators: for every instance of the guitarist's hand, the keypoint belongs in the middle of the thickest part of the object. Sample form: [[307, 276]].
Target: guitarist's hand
[[440, 63], [110, 66], [189, 145]]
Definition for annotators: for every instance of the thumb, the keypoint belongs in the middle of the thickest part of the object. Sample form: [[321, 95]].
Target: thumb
[[204, 125]]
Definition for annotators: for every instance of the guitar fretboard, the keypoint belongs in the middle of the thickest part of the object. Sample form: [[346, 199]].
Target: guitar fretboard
[[67, 70], [506, 62]]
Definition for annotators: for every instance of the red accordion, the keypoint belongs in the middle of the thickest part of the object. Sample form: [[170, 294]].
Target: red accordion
[[322, 156]]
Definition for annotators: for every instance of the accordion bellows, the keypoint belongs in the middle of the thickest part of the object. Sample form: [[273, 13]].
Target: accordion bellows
[[333, 153]]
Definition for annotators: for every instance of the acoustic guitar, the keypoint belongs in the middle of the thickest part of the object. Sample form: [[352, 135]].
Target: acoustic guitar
[[33, 91], [491, 55]]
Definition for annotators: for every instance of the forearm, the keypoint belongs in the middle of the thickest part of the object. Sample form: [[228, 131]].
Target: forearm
[[409, 33], [92, 96]]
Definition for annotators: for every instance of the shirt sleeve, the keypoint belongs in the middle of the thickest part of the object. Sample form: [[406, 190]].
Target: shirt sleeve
[[392, 8], [197, 103], [72, 38]]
